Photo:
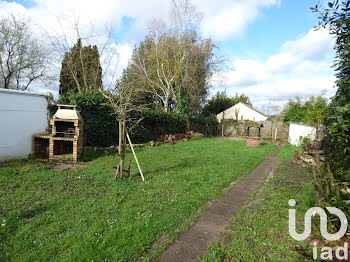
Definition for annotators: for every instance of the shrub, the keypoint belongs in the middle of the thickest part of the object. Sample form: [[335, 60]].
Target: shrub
[[312, 112]]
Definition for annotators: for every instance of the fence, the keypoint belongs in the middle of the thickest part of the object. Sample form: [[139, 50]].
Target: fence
[[22, 114]]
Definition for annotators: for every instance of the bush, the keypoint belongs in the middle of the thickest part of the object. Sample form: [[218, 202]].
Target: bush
[[207, 125], [312, 112]]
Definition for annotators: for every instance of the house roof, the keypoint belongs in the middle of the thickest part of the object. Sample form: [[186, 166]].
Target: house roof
[[12, 91], [249, 106], [253, 109]]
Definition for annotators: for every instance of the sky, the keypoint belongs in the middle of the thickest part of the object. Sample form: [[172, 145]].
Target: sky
[[271, 49]]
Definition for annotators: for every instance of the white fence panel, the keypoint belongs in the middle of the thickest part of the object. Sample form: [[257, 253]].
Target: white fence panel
[[22, 114], [298, 131]]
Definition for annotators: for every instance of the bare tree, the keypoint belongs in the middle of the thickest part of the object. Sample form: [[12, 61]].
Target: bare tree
[[273, 109], [125, 99], [23, 59], [184, 18]]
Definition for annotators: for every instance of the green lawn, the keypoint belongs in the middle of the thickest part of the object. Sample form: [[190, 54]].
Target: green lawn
[[85, 215], [260, 232]]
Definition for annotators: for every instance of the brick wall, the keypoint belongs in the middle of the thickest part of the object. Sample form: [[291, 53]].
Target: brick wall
[[253, 141], [237, 128]]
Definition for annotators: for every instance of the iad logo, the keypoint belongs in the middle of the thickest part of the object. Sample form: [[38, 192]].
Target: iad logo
[[323, 227]]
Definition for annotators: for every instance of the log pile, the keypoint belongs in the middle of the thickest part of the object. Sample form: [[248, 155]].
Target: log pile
[[309, 154], [173, 138]]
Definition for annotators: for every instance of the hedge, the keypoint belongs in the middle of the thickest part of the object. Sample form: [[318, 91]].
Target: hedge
[[101, 127], [207, 125], [157, 123]]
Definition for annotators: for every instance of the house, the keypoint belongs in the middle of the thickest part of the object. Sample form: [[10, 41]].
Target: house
[[241, 111]]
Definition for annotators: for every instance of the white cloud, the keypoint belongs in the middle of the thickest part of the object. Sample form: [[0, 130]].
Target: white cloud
[[59, 16], [230, 18], [222, 19], [301, 68]]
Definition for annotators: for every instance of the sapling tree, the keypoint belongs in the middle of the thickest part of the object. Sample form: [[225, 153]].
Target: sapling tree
[[126, 102]]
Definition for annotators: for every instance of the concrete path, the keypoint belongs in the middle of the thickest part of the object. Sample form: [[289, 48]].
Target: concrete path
[[193, 243]]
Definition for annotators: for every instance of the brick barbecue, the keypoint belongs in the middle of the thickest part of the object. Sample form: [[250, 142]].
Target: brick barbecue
[[65, 143]]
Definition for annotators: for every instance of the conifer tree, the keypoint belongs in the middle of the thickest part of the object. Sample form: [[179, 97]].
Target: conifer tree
[[81, 69]]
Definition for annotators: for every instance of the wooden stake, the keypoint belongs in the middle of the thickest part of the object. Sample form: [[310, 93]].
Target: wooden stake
[[328, 191], [116, 172], [337, 192], [132, 149], [317, 190], [317, 162], [331, 178]]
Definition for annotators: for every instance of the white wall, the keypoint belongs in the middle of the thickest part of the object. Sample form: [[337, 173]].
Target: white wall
[[298, 131], [22, 114], [244, 113]]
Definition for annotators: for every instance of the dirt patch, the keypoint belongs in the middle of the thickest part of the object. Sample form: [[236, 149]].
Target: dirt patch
[[63, 166], [193, 243]]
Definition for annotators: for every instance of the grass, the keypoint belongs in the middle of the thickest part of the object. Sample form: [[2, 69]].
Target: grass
[[260, 231], [84, 215], [287, 152]]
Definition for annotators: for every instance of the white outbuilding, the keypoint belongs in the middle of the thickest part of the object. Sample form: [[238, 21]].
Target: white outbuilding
[[22, 114], [241, 111], [299, 131]]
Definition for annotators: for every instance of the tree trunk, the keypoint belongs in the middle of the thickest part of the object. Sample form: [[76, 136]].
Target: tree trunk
[[120, 137], [121, 165], [122, 146], [166, 106]]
